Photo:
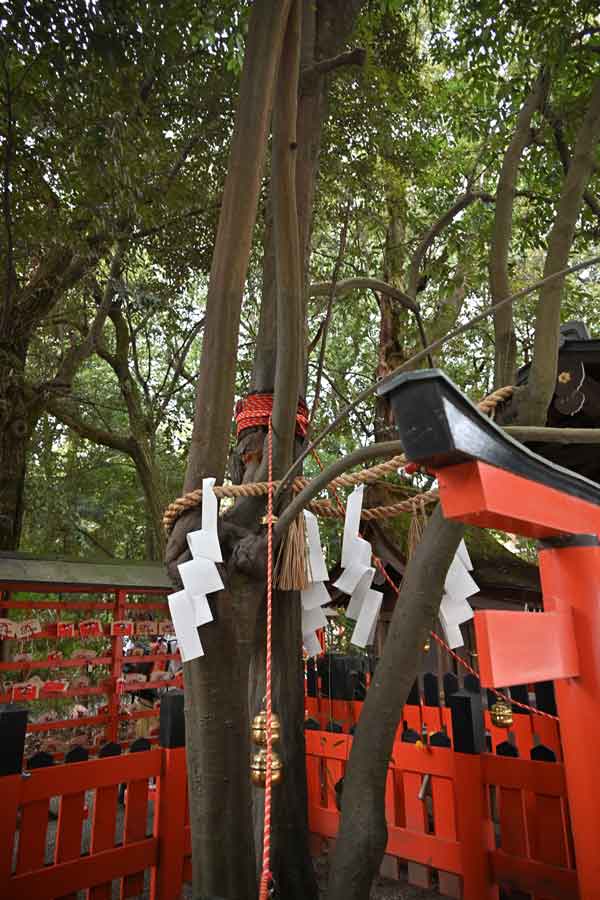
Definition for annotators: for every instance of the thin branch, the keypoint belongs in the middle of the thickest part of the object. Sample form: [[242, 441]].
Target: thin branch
[[179, 357], [92, 540], [531, 434], [323, 289], [565, 158], [320, 481], [356, 57], [326, 322], [461, 203]]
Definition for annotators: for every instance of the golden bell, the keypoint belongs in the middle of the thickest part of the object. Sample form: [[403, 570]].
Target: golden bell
[[501, 714], [259, 727], [427, 646], [258, 768]]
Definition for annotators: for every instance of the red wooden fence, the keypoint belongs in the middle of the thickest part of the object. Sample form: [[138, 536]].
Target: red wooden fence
[[477, 820]]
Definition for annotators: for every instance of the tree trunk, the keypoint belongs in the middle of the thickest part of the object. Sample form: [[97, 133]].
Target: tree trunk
[[217, 727], [292, 865], [218, 747], [151, 481], [15, 431], [362, 836], [535, 400]]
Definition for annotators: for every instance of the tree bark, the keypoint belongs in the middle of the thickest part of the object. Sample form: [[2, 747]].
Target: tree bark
[[15, 431], [362, 836], [505, 340], [218, 748], [215, 392], [535, 399], [291, 861]]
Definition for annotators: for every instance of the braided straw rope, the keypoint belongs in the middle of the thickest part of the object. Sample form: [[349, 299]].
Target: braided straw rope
[[325, 507]]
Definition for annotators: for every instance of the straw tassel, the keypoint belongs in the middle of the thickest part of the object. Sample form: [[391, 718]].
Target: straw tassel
[[415, 529], [292, 564]]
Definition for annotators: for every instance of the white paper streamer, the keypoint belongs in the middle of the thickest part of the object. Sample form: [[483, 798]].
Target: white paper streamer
[[456, 611], [205, 542], [202, 613], [367, 619], [351, 525], [315, 595], [459, 584], [312, 645], [183, 617], [463, 555], [452, 633], [359, 594], [200, 576], [313, 619], [317, 568]]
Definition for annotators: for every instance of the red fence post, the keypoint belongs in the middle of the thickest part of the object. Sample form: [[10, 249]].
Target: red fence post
[[571, 581], [13, 725], [170, 803], [473, 822], [114, 699]]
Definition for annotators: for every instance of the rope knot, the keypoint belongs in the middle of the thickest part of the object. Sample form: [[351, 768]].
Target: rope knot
[[255, 411]]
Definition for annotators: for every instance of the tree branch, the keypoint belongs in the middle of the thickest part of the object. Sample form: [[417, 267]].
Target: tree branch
[[505, 341], [290, 332], [462, 202], [356, 57], [90, 432], [542, 376], [320, 482], [323, 289], [529, 434], [78, 353], [334, 279], [563, 152]]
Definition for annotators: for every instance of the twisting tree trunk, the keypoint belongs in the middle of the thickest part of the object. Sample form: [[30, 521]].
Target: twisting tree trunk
[[362, 837], [505, 340]]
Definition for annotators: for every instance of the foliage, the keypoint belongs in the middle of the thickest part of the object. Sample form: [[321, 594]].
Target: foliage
[[121, 117]]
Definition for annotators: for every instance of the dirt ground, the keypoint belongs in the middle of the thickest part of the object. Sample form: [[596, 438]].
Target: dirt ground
[[383, 889]]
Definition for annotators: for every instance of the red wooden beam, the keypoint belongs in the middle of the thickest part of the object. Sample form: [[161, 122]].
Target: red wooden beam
[[483, 495], [536, 646]]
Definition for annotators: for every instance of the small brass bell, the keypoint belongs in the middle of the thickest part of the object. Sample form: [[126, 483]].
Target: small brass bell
[[501, 714], [258, 768], [427, 646], [259, 728]]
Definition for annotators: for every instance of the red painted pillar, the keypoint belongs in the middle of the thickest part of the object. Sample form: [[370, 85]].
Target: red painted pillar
[[166, 880], [571, 582]]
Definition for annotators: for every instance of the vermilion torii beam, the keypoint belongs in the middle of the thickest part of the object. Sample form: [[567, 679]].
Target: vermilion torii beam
[[487, 479]]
